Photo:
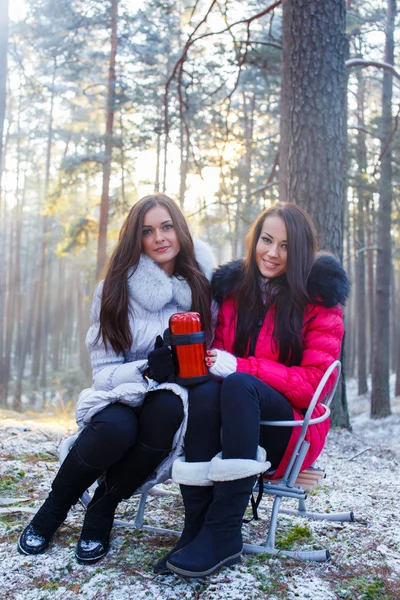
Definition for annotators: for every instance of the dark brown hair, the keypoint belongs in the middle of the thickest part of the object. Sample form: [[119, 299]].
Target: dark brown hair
[[286, 293], [114, 322]]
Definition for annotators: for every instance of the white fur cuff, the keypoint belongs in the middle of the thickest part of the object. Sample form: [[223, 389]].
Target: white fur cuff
[[224, 365], [191, 473], [230, 469]]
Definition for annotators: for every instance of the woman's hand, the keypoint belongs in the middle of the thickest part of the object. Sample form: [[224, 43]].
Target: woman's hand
[[220, 363], [161, 362], [211, 357]]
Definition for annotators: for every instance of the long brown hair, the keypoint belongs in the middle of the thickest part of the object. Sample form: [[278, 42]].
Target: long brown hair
[[114, 322], [286, 293]]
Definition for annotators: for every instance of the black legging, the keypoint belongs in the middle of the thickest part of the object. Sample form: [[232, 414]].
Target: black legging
[[118, 437], [233, 410]]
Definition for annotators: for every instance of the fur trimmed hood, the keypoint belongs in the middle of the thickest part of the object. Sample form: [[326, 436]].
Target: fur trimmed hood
[[327, 283]]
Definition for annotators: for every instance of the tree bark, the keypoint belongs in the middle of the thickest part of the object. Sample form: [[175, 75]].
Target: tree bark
[[286, 100], [110, 111], [158, 132], [313, 122], [40, 344], [361, 311], [314, 52], [397, 336], [371, 279], [3, 87], [184, 160], [3, 74], [380, 396]]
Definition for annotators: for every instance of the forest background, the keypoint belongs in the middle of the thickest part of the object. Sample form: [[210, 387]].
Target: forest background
[[227, 106]]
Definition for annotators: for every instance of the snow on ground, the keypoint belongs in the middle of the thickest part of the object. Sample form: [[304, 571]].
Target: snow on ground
[[362, 475]]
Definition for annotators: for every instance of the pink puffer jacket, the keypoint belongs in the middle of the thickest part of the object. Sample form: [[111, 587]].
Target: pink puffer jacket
[[322, 333]]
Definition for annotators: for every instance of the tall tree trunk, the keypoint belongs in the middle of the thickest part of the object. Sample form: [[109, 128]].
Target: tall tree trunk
[[28, 324], [158, 131], [82, 328], [10, 312], [286, 100], [184, 159], [393, 319], [371, 279], [248, 208], [313, 121], [380, 397], [3, 74], [361, 153], [314, 63], [397, 336], [17, 292], [123, 169], [110, 111], [353, 298], [4, 32], [59, 309], [40, 344]]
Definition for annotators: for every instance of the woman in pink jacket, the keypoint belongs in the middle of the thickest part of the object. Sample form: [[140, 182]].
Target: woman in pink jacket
[[279, 328]]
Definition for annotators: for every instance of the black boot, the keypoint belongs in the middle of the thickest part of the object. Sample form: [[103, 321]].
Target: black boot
[[196, 501], [94, 540], [72, 479], [122, 480], [219, 541]]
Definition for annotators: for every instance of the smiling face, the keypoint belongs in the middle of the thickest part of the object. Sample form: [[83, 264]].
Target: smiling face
[[159, 238], [272, 247]]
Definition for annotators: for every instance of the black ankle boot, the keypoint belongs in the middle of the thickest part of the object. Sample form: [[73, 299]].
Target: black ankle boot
[[72, 479], [122, 480], [196, 501], [94, 540], [219, 541]]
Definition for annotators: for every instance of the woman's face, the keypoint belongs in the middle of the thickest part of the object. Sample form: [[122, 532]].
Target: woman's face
[[159, 239], [272, 247]]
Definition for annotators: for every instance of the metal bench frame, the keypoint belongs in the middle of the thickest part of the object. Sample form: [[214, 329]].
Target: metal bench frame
[[286, 488]]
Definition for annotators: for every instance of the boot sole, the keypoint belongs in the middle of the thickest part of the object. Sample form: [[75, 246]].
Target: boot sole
[[227, 562], [33, 553], [90, 561]]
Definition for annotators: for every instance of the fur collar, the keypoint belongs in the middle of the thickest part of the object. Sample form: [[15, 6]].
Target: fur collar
[[152, 289], [327, 283]]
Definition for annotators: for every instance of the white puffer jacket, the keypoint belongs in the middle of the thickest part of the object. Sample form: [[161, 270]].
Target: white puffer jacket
[[153, 298]]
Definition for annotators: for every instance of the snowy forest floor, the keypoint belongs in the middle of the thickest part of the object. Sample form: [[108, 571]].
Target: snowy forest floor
[[362, 475]]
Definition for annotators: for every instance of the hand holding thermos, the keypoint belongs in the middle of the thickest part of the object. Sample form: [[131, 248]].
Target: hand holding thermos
[[161, 362]]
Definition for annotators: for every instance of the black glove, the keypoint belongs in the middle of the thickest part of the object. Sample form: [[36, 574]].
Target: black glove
[[161, 362]]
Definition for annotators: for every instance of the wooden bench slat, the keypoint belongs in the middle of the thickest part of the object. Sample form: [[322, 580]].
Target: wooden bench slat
[[307, 479]]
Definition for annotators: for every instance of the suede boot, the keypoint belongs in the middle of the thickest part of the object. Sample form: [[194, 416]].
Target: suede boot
[[219, 541], [196, 501], [72, 479]]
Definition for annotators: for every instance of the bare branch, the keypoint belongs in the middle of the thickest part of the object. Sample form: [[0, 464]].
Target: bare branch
[[364, 129], [178, 65], [273, 44], [193, 10], [192, 39], [361, 62], [268, 183], [360, 251]]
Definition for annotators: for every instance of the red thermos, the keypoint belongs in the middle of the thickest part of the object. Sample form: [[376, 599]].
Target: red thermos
[[188, 343]]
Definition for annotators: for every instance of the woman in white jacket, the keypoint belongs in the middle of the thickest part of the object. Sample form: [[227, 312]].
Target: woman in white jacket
[[134, 417]]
